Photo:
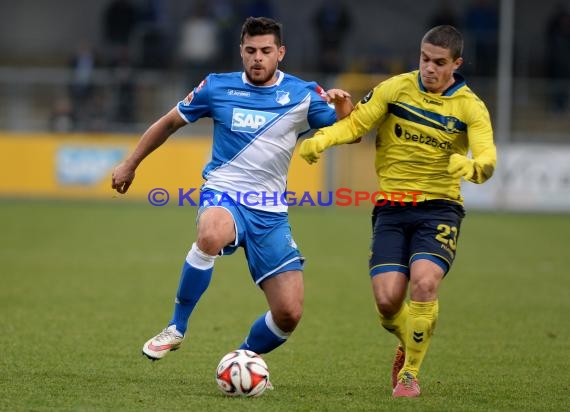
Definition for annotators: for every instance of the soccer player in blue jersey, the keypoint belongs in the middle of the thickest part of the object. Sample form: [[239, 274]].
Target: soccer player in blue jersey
[[427, 121], [258, 116]]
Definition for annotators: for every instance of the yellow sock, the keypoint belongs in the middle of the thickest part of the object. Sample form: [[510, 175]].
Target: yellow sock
[[421, 323], [397, 324]]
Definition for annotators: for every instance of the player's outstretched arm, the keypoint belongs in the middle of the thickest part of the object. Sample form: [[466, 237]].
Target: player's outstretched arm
[[350, 129], [152, 138]]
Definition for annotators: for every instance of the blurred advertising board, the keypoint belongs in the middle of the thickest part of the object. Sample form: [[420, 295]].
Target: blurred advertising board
[[80, 166]]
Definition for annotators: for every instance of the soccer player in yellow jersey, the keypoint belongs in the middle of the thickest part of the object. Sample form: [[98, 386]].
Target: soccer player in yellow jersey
[[427, 121]]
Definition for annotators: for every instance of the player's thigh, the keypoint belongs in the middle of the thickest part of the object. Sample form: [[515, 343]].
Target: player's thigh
[[389, 251], [217, 219], [437, 233]]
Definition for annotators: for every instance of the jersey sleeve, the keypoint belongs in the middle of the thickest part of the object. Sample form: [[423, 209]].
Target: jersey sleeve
[[480, 136], [197, 104], [321, 113]]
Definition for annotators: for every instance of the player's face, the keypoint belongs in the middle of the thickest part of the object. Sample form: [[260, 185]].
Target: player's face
[[261, 57], [437, 67]]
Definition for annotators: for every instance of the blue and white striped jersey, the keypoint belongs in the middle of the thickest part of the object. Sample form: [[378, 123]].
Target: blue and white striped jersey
[[255, 132]]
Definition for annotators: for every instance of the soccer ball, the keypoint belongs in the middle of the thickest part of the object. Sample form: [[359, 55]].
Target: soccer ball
[[242, 373]]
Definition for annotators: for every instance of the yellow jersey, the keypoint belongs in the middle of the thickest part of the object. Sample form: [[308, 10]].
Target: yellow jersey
[[417, 132]]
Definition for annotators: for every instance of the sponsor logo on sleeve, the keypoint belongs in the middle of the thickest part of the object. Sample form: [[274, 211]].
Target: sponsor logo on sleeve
[[321, 92], [188, 99], [368, 96], [200, 86]]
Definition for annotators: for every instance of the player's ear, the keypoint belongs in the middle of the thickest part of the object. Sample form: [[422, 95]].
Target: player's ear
[[281, 52], [457, 63]]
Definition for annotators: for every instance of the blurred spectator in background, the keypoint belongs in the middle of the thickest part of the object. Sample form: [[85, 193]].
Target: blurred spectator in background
[[98, 113], [124, 90], [482, 26], [62, 119], [120, 19], [558, 57], [81, 88], [227, 19], [154, 44], [199, 45], [444, 15], [332, 22], [258, 8]]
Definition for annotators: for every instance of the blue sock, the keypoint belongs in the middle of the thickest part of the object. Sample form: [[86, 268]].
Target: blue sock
[[194, 280], [264, 335]]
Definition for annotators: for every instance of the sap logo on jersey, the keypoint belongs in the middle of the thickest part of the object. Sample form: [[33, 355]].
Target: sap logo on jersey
[[250, 121]]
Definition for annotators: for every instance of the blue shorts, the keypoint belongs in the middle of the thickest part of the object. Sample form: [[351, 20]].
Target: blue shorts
[[265, 237], [403, 234]]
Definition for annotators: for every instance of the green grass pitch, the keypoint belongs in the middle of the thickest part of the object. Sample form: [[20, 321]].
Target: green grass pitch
[[84, 284]]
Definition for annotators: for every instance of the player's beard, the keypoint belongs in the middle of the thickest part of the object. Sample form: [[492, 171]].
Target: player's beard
[[263, 78]]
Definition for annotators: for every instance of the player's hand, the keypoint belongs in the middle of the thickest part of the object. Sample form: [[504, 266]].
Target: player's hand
[[122, 177], [310, 150], [461, 166], [337, 96]]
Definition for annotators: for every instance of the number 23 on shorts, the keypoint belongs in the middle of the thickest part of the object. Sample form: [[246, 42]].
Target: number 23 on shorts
[[447, 235]]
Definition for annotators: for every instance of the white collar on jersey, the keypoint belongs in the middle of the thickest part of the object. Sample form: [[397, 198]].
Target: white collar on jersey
[[280, 76]]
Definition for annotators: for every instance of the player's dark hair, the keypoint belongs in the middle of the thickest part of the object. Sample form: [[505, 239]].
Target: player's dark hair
[[447, 37], [258, 26]]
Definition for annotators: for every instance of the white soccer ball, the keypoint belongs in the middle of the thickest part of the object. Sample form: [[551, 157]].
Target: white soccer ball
[[242, 373]]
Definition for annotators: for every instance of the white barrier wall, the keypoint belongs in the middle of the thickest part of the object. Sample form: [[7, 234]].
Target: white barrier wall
[[529, 177]]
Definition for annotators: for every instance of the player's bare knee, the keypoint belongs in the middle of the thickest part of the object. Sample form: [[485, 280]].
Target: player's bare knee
[[211, 241], [216, 230], [388, 307], [288, 318], [423, 288], [388, 304]]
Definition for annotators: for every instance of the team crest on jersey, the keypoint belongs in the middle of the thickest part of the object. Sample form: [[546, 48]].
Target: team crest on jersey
[[282, 97], [250, 121], [188, 99], [450, 123]]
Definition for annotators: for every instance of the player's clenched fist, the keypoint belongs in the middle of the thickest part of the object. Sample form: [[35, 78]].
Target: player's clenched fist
[[123, 176], [461, 166], [311, 149]]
